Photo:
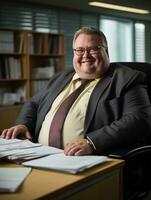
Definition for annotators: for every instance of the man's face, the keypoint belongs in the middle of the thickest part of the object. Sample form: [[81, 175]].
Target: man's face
[[92, 63]]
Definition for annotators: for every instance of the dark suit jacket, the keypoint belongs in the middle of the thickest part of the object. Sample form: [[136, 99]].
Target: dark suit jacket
[[118, 113]]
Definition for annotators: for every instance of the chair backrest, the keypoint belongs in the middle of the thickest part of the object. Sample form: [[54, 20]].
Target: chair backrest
[[144, 67], [142, 164]]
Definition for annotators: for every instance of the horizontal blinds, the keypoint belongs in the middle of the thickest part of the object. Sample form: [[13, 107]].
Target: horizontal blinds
[[69, 23], [89, 20], [140, 42], [28, 16], [36, 17]]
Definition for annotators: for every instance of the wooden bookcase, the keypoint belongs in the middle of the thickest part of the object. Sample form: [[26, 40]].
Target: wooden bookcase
[[27, 61], [45, 56]]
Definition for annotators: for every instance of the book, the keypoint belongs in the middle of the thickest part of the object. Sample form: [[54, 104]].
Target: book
[[12, 178]]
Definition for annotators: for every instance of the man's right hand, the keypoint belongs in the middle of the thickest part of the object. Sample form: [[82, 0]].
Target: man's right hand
[[15, 131]]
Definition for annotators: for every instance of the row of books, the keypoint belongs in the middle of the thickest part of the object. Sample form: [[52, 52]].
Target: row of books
[[36, 44], [46, 68], [10, 67], [42, 72], [11, 42], [8, 97], [38, 85], [6, 41], [53, 45]]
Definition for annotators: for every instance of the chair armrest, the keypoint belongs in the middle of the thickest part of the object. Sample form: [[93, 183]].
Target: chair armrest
[[131, 152], [136, 171]]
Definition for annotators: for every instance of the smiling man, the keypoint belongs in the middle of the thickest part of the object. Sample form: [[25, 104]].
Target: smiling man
[[111, 109], [91, 58]]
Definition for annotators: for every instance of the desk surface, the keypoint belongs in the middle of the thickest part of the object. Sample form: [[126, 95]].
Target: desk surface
[[43, 183]]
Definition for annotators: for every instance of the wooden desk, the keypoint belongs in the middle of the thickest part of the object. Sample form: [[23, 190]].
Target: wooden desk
[[103, 182]]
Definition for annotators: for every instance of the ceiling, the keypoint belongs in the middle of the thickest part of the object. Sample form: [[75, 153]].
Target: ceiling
[[83, 5]]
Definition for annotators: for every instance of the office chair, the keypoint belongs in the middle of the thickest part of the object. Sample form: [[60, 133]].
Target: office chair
[[137, 169]]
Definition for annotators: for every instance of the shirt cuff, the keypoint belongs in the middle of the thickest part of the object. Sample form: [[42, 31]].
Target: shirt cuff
[[89, 141]]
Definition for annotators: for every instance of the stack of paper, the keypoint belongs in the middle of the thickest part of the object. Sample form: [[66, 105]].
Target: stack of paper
[[46, 157], [12, 178], [70, 164], [22, 150]]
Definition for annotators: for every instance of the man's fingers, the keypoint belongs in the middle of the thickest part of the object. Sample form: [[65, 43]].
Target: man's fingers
[[3, 134], [27, 135]]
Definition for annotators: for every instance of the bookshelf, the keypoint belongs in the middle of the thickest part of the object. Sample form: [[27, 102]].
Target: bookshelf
[[28, 60], [46, 57]]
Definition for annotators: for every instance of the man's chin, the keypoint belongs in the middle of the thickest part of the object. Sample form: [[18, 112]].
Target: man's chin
[[87, 75], [88, 69], [86, 72]]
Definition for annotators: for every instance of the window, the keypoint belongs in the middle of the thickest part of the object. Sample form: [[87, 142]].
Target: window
[[119, 36], [126, 39], [139, 42]]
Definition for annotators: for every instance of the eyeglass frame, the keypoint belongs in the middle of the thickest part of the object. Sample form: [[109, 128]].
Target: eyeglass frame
[[88, 49]]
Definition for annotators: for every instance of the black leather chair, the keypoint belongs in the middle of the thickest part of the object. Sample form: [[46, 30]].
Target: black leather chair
[[137, 169]]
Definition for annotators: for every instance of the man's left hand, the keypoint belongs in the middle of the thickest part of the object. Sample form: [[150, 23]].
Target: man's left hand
[[78, 147]]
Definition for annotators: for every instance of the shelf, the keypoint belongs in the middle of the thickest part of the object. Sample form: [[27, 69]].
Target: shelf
[[28, 59]]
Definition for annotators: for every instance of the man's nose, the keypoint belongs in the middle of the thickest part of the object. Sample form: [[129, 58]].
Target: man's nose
[[87, 52]]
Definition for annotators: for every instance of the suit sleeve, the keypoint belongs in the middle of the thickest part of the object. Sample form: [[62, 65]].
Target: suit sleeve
[[29, 112], [133, 122]]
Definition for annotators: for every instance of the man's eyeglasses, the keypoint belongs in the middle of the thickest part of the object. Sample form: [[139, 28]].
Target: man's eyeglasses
[[92, 50]]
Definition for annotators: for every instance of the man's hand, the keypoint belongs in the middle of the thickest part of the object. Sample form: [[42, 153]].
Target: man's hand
[[13, 132], [78, 147]]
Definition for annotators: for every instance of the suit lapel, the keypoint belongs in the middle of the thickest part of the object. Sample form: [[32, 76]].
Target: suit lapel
[[94, 98], [59, 87], [53, 93]]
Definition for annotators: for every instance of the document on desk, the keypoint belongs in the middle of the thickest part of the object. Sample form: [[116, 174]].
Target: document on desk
[[70, 164], [12, 178], [12, 144], [21, 150], [36, 155]]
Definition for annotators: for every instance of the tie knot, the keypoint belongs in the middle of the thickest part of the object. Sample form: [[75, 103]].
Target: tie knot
[[85, 81]]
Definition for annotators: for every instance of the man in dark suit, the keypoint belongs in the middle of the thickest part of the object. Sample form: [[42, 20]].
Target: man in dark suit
[[112, 111]]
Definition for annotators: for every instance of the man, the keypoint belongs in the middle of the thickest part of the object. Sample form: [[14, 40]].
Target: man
[[112, 111]]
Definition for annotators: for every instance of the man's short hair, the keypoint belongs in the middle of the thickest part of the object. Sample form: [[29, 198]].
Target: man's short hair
[[90, 31]]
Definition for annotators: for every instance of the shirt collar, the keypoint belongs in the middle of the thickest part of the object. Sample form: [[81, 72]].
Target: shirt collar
[[77, 77]]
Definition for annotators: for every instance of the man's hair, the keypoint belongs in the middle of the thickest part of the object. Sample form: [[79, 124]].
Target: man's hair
[[90, 31]]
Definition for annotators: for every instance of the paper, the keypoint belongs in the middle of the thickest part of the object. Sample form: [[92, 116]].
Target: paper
[[46, 157], [22, 150], [71, 164], [4, 141], [12, 144], [12, 178]]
